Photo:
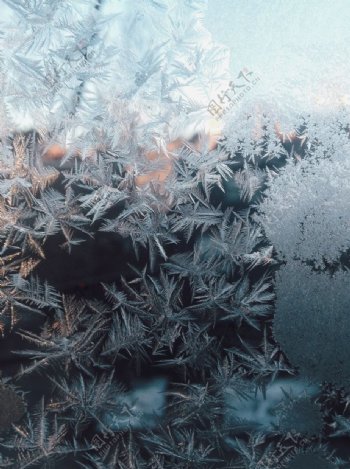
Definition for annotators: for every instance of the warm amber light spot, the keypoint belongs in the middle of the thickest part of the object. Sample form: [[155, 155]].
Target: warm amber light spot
[[53, 153]]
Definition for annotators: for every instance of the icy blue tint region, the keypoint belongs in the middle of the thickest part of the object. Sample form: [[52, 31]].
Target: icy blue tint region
[[142, 407], [311, 322], [306, 209], [310, 460], [107, 84], [300, 50], [258, 410], [149, 65]]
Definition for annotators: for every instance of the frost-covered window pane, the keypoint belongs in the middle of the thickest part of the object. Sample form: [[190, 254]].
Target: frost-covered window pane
[[174, 233]]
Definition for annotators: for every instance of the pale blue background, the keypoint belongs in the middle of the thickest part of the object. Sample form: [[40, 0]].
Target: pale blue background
[[299, 48]]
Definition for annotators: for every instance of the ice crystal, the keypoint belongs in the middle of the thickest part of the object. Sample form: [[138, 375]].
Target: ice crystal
[[309, 200], [106, 138]]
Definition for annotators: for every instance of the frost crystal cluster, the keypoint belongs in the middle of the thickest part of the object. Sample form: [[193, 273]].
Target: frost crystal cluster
[[137, 248], [306, 210]]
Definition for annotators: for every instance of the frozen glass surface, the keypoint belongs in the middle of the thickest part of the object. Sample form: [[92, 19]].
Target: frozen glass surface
[[298, 49], [174, 234]]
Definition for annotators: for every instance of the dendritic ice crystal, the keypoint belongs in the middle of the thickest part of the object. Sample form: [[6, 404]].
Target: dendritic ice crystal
[[161, 264], [306, 209]]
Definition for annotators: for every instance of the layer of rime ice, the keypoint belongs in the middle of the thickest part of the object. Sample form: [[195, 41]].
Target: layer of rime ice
[[299, 52], [315, 459], [99, 75], [306, 208], [137, 317], [311, 321]]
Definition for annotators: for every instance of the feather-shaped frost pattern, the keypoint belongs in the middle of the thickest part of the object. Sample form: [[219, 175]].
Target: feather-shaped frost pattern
[[157, 265]]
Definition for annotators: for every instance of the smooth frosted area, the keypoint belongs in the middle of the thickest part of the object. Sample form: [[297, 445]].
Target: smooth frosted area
[[300, 50]]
